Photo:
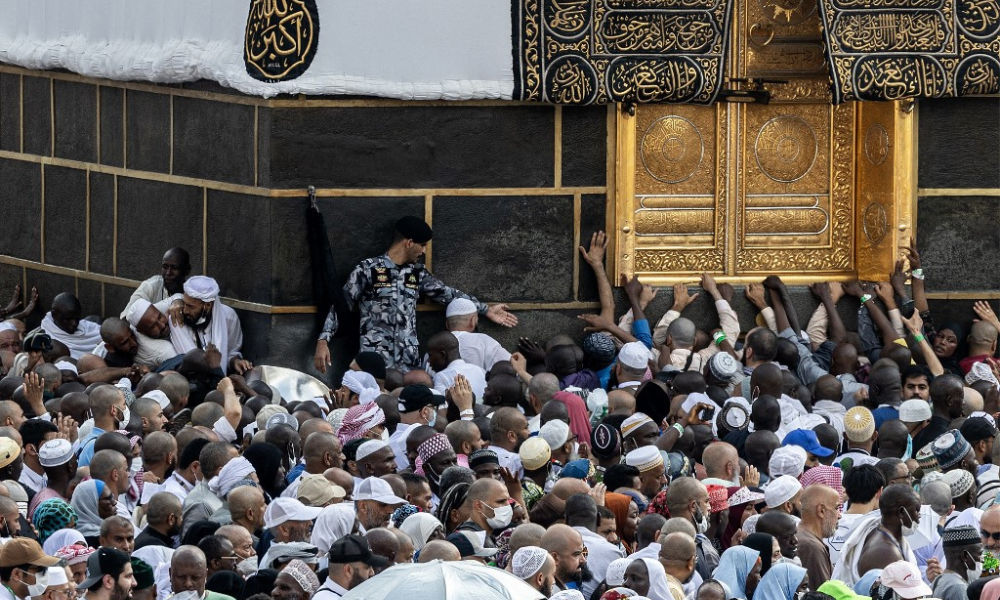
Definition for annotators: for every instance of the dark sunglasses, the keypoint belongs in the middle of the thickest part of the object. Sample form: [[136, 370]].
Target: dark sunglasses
[[987, 535]]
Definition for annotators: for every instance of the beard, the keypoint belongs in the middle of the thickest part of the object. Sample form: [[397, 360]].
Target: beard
[[120, 593], [580, 575], [356, 580], [546, 591]]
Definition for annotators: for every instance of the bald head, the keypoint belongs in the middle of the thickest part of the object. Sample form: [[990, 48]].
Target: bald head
[[982, 335], [816, 495], [188, 555], [721, 461], [560, 539], [383, 542], [828, 387], [677, 547], [681, 332], [621, 402], [766, 380], [157, 447], [439, 550], [528, 534], [568, 486]]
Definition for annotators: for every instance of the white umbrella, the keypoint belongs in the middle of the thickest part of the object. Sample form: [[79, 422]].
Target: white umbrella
[[438, 580]]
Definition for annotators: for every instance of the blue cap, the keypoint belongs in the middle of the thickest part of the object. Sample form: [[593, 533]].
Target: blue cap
[[577, 469], [807, 440]]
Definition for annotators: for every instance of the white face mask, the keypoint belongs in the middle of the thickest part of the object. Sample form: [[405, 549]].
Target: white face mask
[[248, 566], [575, 454], [126, 417], [501, 517], [974, 573], [700, 521], [433, 418], [910, 529], [385, 435]]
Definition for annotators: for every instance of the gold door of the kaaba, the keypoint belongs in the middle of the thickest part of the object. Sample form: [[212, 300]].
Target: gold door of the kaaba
[[796, 187]]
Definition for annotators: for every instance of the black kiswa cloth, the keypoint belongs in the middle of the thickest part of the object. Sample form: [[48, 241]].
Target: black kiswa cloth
[[328, 288]]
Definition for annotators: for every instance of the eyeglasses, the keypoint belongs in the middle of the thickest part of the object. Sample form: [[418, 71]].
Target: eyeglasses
[[902, 479], [995, 536]]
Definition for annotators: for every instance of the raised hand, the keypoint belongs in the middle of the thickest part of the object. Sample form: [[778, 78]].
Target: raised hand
[[912, 254], [853, 288], [530, 350], [15, 301], [755, 294], [595, 255], [461, 393], [595, 323], [498, 313], [727, 292], [682, 299], [821, 289], [985, 312]]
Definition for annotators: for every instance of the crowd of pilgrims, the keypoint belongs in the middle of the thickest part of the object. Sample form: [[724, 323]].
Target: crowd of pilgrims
[[634, 460]]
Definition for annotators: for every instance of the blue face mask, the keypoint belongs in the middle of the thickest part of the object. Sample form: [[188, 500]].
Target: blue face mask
[[909, 447], [433, 419]]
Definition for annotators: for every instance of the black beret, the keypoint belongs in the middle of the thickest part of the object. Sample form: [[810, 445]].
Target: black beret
[[414, 228]]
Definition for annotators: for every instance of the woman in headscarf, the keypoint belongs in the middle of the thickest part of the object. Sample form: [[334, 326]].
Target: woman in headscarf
[[422, 528], [767, 547], [782, 582], [51, 516], [647, 577], [86, 499], [451, 511], [948, 344], [61, 539], [742, 505], [266, 460], [579, 419], [626, 518], [739, 568]]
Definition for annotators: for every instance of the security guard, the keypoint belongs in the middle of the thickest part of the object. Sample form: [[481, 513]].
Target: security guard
[[387, 288]]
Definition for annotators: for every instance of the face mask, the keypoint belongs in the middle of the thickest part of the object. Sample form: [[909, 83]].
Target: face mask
[[385, 435], [433, 419], [799, 595], [909, 447], [248, 566], [126, 417], [136, 464], [501, 517], [700, 521], [910, 529], [575, 454], [203, 318], [974, 573], [41, 582]]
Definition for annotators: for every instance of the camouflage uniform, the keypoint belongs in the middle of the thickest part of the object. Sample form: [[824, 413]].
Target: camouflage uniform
[[387, 295]]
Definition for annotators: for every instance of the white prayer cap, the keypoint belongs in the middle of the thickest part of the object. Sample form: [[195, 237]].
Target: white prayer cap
[[781, 490], [645, 458], [459, 307], [5, 326], [634, 355], [55, 452], [555, 432], [52, 576], [787, 460], [160, 397], [616, 571], [368, 448], [914, 411], [134, 313], [527, 561], [567, 595], [633, 422], [202, 288]]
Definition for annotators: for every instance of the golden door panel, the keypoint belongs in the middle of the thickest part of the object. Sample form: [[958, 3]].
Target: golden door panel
[[794, 216], [679, 203], [781, 39]]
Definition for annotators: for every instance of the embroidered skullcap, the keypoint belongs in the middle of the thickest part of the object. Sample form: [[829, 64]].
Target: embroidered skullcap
[[824, 475], [555, 432], [535, 453], [400, 514], [235, 471], [9, 451], [368, 448], [787, 460], [599, 347], [160, 398], [980, 371], [987, 486], [979, 414], [745, 495], [676, 464], [859, 424], [567, 595], [281, 419], [336, 418], [266, 412], [718, 497], [950, 448], [460, 307], [303, 575], [934, 476], [433, 446], [926, 459], [616, 571], [634, 422], [735, 415], [414, 228], [135, 312], [605, 441], [363, 384], [750, 525], [55, 452], [914, 411], [959, 480], [483, 457], [359, 420], [723, 366], [74, 554], [781, 490], [202, 288], [646, 458], [960, 536], [527, 561], [634, 355]]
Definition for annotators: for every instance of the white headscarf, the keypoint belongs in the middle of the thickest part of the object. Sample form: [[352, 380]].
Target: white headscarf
[[333, 523], [235, 471], [419, 527], [658, 589], [84, 502], [362, 384], [202, 288], [61, 539]]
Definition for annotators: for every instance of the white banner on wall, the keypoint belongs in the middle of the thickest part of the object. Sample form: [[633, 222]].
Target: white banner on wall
[[405, 49]]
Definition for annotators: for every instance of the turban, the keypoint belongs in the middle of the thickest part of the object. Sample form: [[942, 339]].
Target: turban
[[135, 312], [359, 420], [285, 551], [437, 444], [202, 288], [527, 561], [303, 575], [74, 554], [646, 458], [362, 384], [233, 472], [634, 422]]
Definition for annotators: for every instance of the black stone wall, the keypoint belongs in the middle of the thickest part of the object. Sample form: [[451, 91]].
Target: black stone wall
[[98, 178]]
